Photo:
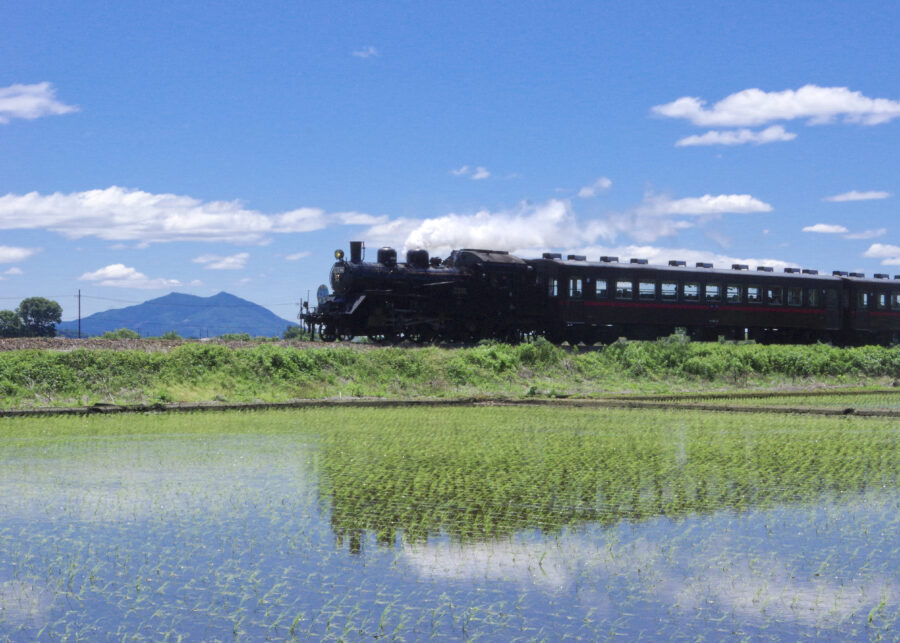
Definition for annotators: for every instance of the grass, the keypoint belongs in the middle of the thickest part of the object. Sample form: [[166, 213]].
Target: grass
[[197, 372]]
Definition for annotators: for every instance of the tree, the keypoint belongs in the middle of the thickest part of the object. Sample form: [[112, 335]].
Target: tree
[[294, 332], [121, 333], [39, 316], [10, 324]]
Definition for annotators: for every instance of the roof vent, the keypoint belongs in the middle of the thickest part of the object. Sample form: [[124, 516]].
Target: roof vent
[[860, 275], [642, 262], [552, 255], [792, 271], [676, 262], [839, 273], [740, 266], [606, 259], [881, 275], [703, 264], [576, 258], [810, 271], [764, 269]]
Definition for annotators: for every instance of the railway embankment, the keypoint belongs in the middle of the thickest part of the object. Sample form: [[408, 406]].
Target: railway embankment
[[89, 374]]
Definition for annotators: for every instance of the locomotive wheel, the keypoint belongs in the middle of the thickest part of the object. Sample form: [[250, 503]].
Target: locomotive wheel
[[346, 337], [383, 338], [327, 334]]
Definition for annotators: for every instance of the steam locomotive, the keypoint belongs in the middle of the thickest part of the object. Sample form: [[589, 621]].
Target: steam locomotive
[[491, 294]]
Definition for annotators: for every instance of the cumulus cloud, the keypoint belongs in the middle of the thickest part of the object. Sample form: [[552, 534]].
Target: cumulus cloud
[[13, 271], [752, 107], [889, 255], [217, 262], [772, 134], [122, 214], [853, 195], [12, 254], [475, 173], [659, 205], [867, 234], [297, 255], [366, 52], [595, 188], [661, 256], [30, 102], [826, 228], [118, 275]]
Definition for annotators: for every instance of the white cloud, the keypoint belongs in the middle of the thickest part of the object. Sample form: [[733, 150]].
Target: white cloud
[[14, 271], [661, 256], [657, 205], [366, 52], [867, 234], [217, 262], [853, 195], [13, 254], [889, 255], [118, 275], [296, 256], [122, 214], [476, 174], [30, 102], [773, 134], [826, 228], [755, 107], [595, 188]]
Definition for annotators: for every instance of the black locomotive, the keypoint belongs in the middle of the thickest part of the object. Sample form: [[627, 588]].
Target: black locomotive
[[491, 294]]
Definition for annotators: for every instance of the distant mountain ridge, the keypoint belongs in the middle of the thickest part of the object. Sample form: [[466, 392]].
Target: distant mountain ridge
[[187, 315]]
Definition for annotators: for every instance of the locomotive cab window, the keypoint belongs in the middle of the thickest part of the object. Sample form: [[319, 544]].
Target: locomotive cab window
[[601, 289], [812, 297], [713, 293], [733, 294], [669, 291], [646, 290], [691, 292], [754, 295], [773, 296], [575, 288], [795, 296], [624, 290]]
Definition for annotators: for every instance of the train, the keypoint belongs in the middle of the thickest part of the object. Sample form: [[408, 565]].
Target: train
[[476, 294]]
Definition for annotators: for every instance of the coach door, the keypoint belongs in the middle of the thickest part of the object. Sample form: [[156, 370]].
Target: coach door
[[832, 309], [576, 298]]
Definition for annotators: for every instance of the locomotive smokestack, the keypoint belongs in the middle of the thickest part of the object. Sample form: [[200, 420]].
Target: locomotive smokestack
[[356, 251]]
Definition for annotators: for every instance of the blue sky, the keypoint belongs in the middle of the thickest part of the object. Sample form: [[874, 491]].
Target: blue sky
[[200, 147]]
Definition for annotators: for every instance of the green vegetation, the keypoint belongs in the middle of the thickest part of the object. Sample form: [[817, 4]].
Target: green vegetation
[[201, 372], [121, 333], [34, 317]]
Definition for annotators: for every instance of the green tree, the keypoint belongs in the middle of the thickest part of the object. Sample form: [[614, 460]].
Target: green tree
[[10, 324], [294, 332], [39, 316]]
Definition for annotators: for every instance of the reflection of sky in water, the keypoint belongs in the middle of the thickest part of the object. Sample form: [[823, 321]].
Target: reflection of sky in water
[[106, 538]]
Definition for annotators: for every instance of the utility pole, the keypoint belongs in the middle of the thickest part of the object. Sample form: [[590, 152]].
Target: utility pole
[[79, 313]]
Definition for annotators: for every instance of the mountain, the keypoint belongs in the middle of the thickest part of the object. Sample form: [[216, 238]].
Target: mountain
[[187, 315]]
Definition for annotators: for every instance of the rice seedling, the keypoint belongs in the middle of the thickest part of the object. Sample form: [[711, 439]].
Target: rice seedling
[[495, 523]]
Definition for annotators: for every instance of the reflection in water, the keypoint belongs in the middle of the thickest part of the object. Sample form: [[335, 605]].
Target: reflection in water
[[495, 484]]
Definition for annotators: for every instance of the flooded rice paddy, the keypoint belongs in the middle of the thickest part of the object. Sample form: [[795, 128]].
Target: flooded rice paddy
[[449, 523]]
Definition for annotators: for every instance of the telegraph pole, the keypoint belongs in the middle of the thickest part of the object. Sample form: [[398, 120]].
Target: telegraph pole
[[79, 313]]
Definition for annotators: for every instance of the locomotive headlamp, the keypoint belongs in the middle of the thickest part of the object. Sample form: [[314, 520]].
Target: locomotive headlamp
[[339, 254]]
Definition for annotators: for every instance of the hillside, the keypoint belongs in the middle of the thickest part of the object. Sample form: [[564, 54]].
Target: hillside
[[187, 315]]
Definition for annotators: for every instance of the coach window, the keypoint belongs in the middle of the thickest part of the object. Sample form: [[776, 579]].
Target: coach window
[[575, 288], [624, 290], [713, 293], [733, 294], [881, 300], [753, 295], [646, 290], [602, 289], [669, 291], [895, 304], [773, 296], [554, 287], [863, 300], [795, 296], [812, 297], [691, 292]]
